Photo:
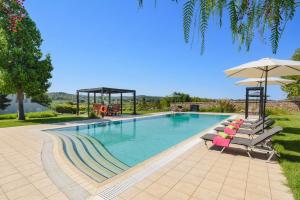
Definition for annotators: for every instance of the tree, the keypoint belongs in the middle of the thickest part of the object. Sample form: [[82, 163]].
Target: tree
[[293, 90], [4, 101], [246, 17], [23, 69]]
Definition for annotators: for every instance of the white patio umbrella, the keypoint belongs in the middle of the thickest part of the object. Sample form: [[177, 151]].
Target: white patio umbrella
[[260, 81], [264, 68]]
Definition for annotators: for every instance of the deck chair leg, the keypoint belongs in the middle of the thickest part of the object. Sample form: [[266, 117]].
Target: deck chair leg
[[271, 155], [248, 152], [223, 149], [205, 142]]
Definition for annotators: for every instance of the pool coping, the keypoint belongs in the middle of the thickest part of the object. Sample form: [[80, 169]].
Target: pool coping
[[81, 182]]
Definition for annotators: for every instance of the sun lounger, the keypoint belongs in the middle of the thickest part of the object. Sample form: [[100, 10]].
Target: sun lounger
[[256, 131], [261, 143], [247, 125], [247, 121]]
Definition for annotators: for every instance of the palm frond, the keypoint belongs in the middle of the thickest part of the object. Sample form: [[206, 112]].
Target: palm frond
[[203, 22], [188, 13], [233, 18]]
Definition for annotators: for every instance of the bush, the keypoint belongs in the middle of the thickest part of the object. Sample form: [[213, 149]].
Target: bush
[[211, 109], [65, 108], [8, 116], [69, 108], [226, 106], [44, 114], [277, 111], [93, 115]]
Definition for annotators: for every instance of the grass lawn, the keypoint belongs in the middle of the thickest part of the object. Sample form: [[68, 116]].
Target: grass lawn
[[288, 145], [59, 118]]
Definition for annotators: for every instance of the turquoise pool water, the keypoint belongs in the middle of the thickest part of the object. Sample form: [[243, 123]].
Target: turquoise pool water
[[133, 141]]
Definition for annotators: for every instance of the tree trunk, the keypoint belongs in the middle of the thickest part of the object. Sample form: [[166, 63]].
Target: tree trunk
[[20, 98]]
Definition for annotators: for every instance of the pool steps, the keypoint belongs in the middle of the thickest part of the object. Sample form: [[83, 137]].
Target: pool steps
[[90, 157]]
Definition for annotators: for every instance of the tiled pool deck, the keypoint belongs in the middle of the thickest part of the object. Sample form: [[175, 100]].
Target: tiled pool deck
[[28, 171]]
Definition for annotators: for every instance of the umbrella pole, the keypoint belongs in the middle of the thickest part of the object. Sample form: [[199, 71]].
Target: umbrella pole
[[265, 99]]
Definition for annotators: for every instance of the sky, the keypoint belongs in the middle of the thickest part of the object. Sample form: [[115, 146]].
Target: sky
[[112, 43]]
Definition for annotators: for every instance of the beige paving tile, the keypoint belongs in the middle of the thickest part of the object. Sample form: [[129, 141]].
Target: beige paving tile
[[10, 178], [233, 192], [42, 183], [205, 194], [176, 173], [144, 184], [214, 186], [278, 195], [192, 179], [157, 190], [32, 197], [168, 181], [175, 195], [15, 184], [49, 190], [3, 197], [58, 196], [186, 188], [236, 183], [144, 196], [22, 191], [130, 193]]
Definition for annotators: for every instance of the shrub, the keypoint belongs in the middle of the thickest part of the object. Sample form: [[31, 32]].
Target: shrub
[[277, 111], [8, 116], [44, 114], [65, 108], [69, 108], [226, 106], [93, 115]]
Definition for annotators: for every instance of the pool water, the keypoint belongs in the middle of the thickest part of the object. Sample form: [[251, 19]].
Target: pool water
[[136, 140]]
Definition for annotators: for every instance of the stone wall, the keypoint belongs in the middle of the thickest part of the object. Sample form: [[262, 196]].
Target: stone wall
[[292, 106]]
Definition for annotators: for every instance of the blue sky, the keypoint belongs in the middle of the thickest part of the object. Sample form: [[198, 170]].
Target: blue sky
[[114, 44]]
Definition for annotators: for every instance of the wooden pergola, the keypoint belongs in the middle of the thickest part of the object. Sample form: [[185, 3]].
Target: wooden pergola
[[109, 91]]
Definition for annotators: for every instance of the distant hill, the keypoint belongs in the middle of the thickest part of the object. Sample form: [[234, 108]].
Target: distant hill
[[66, 97]]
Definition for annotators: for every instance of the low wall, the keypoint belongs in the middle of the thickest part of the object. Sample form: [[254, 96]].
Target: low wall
[[291, 106]]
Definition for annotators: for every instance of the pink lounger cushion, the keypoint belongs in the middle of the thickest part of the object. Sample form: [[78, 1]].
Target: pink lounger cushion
[[230, 131], [220, 141]]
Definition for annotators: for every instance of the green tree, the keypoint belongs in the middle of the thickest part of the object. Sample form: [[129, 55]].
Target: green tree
[[23, 68], [246, 18], [293, 90], [4, 101]]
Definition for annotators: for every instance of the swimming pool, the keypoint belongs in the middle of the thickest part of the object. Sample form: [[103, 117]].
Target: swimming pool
[[133, 141]]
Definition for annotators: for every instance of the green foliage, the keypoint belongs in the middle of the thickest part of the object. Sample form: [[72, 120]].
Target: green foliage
[[293, 89], [45, 114], [69, 108], [277, 111], [42, 99], [226, 106], [287, 144], [23, 68], [223, 106], [31, 115], [93, 115], [4, 101], [187, 18], [8, 116]]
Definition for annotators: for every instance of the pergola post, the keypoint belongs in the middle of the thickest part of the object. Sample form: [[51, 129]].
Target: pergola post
[[246, 103], [109, 98], [102, 98], [77, 100], [121, 103], [88, 104], [134, 103]]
